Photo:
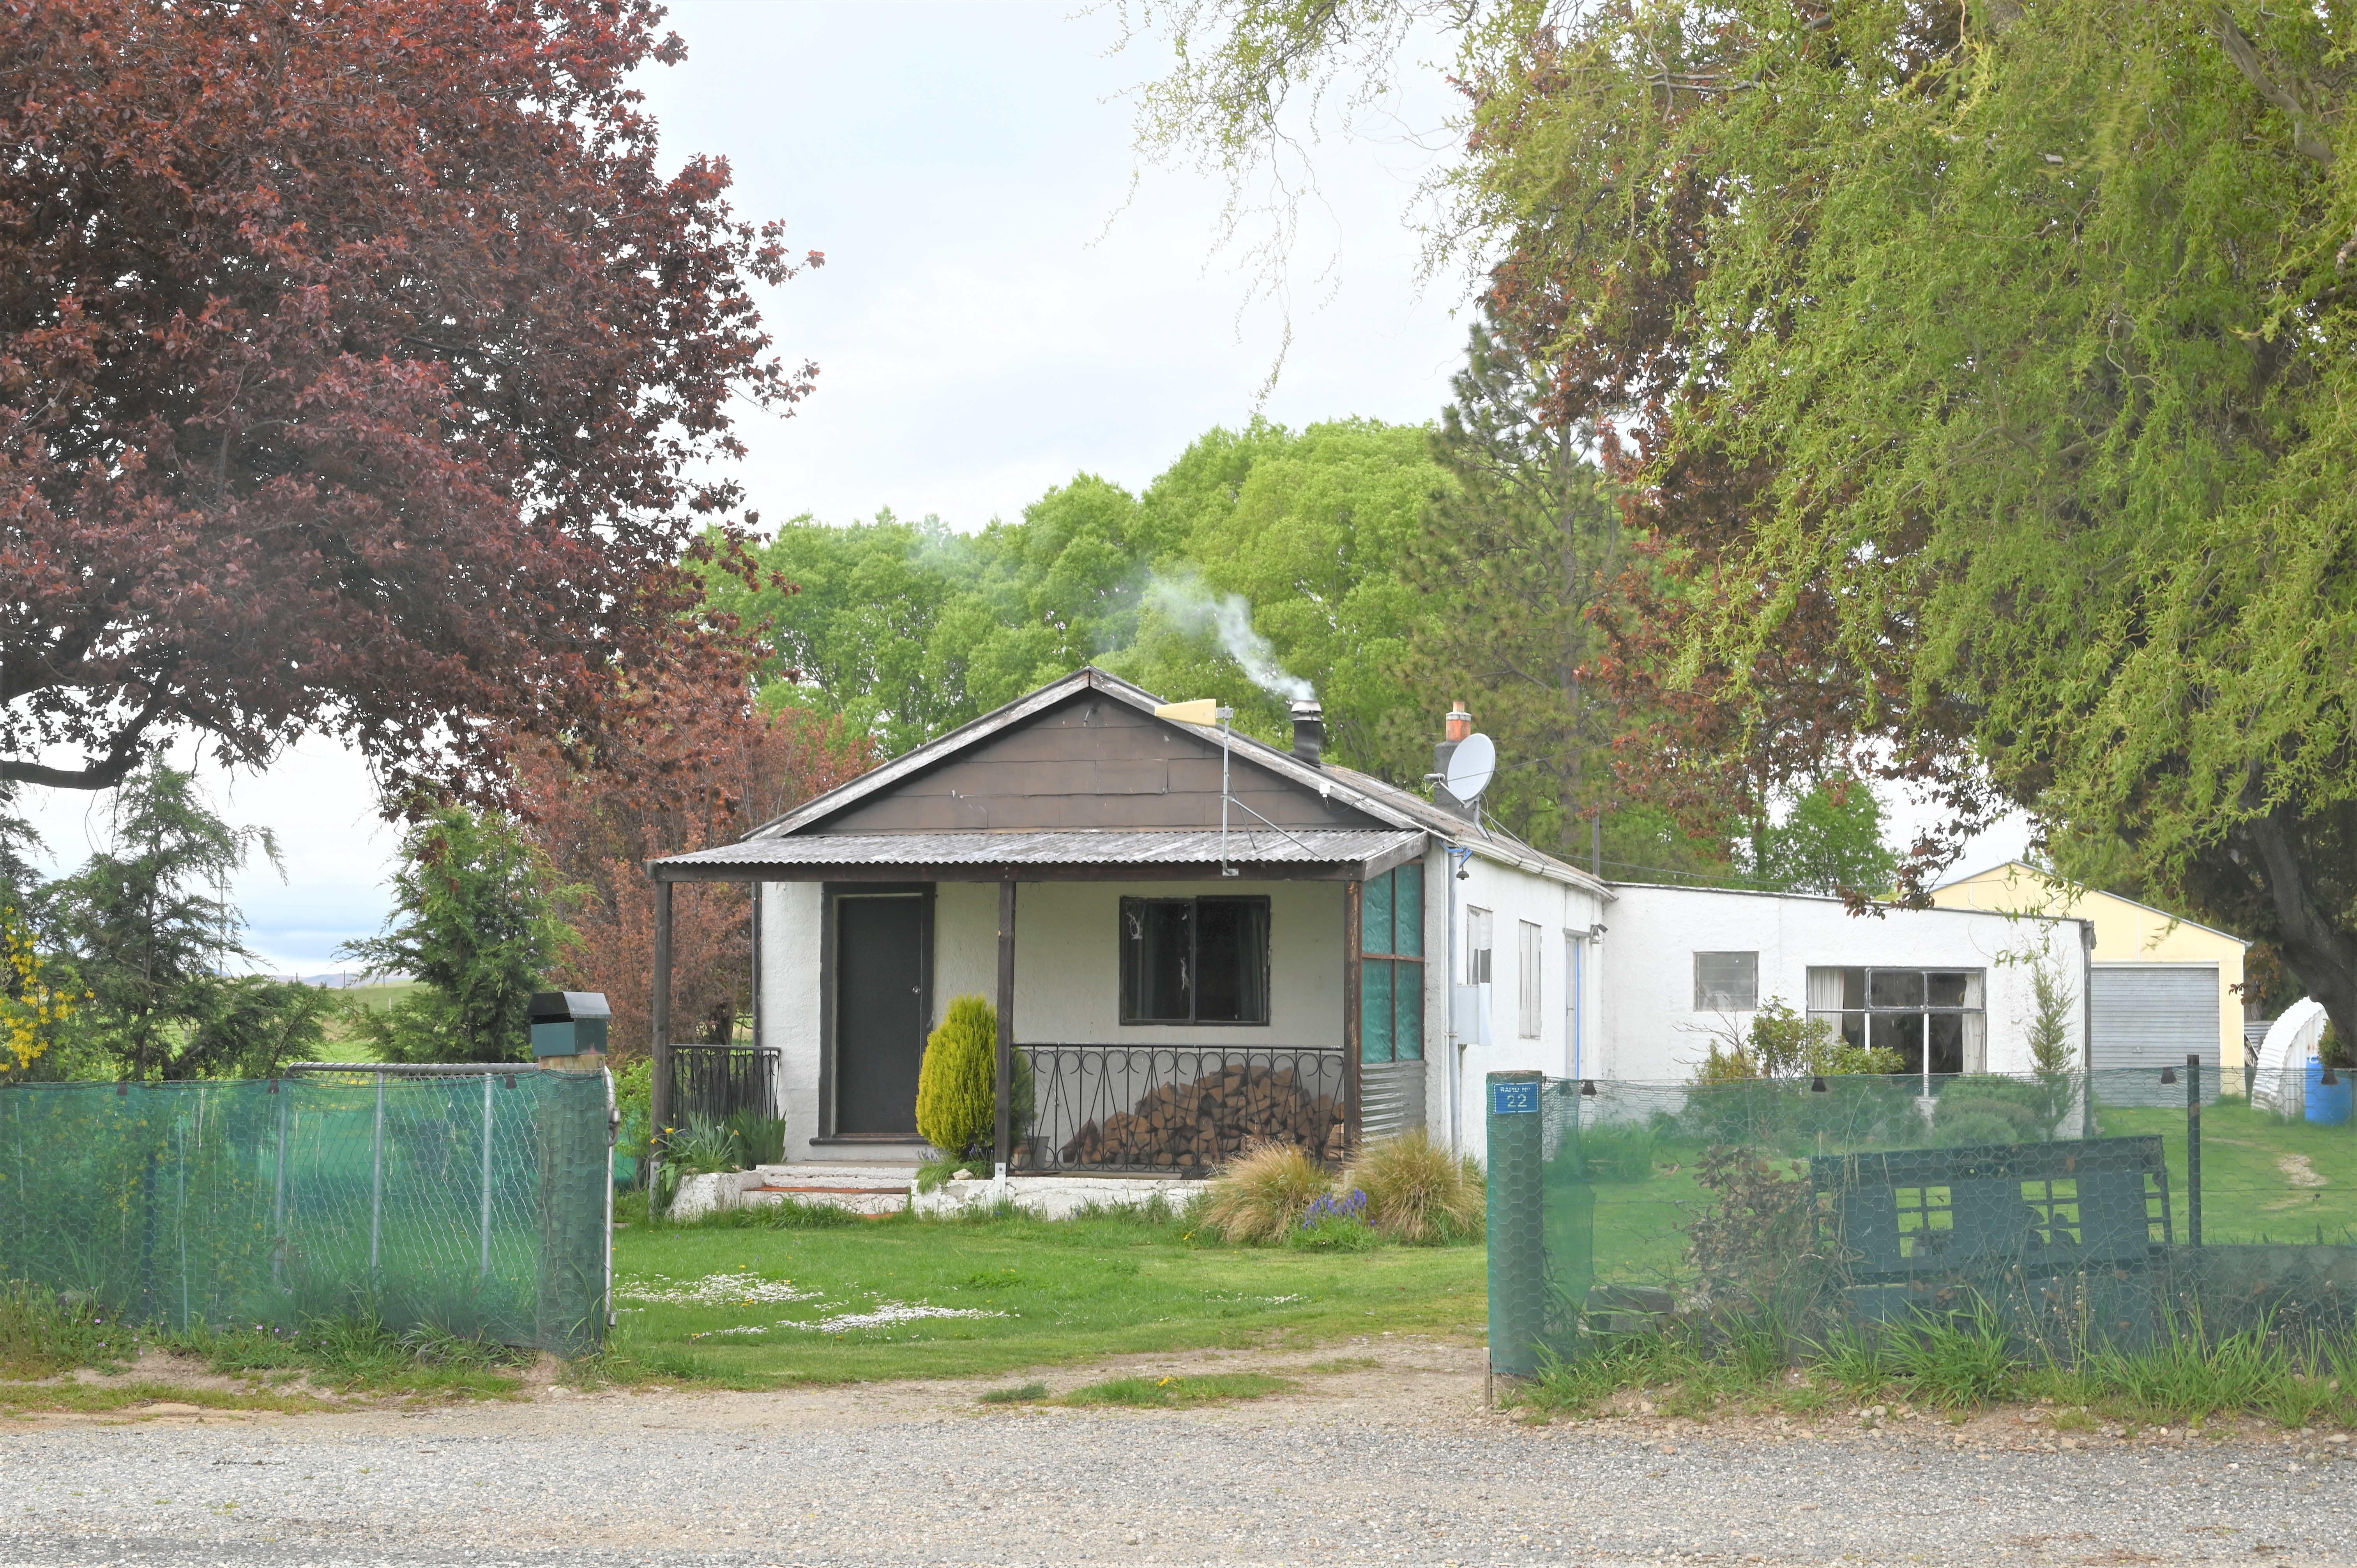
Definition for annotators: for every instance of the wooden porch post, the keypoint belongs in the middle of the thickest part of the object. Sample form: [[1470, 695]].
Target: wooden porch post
[[1006, 1074], [659, 1029], [1353, 933]]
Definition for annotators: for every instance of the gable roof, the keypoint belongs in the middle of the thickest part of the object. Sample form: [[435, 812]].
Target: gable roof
[[2077, 890], [1385, 803]]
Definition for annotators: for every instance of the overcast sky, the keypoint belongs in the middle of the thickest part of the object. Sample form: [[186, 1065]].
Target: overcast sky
[[1007, 300], [1003, 306]]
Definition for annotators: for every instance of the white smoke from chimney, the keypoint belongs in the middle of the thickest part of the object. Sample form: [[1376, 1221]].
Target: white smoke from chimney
[[1195, 609]]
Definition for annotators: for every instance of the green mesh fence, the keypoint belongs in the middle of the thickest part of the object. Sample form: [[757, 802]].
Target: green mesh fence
[[2083, 1210], [474, 1204]]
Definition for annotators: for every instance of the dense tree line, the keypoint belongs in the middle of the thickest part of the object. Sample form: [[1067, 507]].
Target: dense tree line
[[1979, 371], [1394, 569]]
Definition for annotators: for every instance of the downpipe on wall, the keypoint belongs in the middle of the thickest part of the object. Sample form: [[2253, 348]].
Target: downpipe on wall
[[1454, 860]]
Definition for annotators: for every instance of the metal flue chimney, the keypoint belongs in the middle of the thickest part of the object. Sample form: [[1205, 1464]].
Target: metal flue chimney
[[1308, 731]]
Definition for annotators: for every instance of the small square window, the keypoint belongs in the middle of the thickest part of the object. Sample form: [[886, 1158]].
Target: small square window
[[1726, 982]]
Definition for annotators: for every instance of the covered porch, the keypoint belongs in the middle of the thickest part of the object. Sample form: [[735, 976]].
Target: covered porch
[[1163, 995]]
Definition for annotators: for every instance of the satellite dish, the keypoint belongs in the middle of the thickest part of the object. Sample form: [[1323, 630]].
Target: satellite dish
[[1470, 767]]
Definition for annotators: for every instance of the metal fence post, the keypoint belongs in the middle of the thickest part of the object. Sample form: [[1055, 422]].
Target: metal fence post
[[1517, 1236], [279, 1197], [2193, 1148], [180, 1207], [486, 1222], [376, 1184]]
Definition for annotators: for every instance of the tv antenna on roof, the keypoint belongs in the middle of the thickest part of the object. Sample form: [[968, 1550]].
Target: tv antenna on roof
[[1470, 766]]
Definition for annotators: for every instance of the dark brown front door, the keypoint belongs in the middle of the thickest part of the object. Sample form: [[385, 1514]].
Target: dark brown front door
[[879, 1017]]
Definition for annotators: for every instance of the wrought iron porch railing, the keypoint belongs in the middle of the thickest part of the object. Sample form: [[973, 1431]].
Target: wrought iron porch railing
[[712, 1083], [1177, 1111]]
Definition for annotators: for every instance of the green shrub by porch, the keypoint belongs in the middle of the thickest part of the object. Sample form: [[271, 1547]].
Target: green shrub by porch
[[957, 1087]]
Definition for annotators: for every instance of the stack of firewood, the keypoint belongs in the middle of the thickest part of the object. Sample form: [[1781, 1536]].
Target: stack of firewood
[[1195, 1125]]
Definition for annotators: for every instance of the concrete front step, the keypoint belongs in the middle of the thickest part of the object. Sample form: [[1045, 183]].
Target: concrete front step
[[1059, 1196], [861, 1188], [836, 1173]]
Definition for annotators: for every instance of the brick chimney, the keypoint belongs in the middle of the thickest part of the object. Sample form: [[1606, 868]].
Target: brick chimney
[[1458, 726]]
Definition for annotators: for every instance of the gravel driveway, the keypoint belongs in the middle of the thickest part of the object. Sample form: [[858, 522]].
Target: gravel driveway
[[1393, 1462]]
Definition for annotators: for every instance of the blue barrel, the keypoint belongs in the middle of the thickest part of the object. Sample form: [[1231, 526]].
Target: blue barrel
[[2329, 1102]]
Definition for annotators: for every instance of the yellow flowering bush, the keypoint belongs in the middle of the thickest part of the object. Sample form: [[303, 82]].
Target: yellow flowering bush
[[30, 1008]]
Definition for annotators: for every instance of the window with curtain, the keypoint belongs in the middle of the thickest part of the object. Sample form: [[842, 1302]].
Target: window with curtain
[[1391, 966], [1194, 961], [1478, 927], [1527, 966], [1936, 1019]]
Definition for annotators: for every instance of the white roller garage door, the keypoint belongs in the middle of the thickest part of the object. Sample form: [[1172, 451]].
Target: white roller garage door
[[2152, 1015]]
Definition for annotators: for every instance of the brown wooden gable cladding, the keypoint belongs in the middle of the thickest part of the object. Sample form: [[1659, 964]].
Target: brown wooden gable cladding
[[1089, 762]]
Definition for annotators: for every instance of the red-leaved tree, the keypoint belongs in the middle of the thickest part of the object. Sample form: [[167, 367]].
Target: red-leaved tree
[[356, 361], [693, 763]]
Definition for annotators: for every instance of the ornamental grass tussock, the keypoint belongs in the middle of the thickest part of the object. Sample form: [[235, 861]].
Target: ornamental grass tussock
[[1418, 1192], [1261, 1194]]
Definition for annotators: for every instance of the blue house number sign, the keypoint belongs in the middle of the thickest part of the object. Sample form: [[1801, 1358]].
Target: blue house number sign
[[1514, 1099]]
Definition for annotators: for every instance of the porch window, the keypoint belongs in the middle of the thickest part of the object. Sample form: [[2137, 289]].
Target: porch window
[[1934, 1018], [1194, 961], [1391, 967]]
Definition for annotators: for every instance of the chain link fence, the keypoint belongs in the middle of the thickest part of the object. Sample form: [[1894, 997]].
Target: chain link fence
[[2083, 1211], [473, 1202]]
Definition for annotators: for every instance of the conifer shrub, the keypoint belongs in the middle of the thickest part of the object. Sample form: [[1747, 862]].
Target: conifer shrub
[[957, 1086], [1418, 1191], [1262, 1194]]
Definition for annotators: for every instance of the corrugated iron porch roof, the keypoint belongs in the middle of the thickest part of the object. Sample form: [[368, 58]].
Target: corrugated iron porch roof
[[1078, 854]]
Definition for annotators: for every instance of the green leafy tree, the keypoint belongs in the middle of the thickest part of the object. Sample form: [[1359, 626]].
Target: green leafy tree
[[1294, 542], [2061, 386], [473, 921], [909, 630], [1515, 559], [1830, 841], [147, 933], [2029, 331]]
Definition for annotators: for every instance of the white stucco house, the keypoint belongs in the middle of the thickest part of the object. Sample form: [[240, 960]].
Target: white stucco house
[[1191, 938], [1949, 990]]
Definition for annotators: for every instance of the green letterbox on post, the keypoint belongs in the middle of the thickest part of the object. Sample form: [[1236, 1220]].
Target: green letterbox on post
[[569, 1024]]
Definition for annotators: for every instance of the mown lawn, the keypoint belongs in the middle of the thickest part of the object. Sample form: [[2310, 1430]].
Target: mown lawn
[[2263, 1179], [915, 1298]]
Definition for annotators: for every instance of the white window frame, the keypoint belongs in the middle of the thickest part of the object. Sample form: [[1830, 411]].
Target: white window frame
[[1827, 1001], [1574, 989], [1530, 963], [1706, 1001], [1479, 933]]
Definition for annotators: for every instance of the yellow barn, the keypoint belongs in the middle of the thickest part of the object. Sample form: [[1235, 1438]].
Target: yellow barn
[[2161, 986]]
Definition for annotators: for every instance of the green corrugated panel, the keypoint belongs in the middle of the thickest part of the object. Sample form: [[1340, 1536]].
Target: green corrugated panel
[[476, 1205]]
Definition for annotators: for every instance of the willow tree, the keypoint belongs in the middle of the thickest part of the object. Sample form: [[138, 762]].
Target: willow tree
[[2031, 322], [2039, 318]]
